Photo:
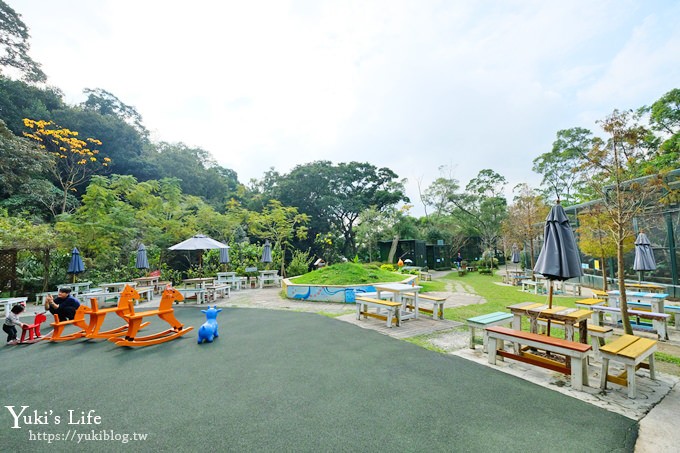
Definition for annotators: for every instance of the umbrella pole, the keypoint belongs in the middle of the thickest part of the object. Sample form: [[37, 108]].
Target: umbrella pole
[[550, 296]]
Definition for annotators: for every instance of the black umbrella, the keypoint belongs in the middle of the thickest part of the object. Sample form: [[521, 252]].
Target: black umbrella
[[559, 258], [142, 262], [644, 255], [75, 266]]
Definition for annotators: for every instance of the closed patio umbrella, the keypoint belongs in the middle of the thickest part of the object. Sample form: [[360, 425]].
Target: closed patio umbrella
[[142, 262], [267, 252], [644, 255], [559, 258], [76, 265], [224, 255], [515, 258]]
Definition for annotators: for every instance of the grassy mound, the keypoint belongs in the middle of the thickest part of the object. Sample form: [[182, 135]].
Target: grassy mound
[[348, 274]]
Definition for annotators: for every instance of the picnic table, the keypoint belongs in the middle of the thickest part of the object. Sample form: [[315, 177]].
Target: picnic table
[[77, 287], [151, 280], [398, 290], [269, 278], [655, 300], [116, 286], [571, 317], [198, 282]]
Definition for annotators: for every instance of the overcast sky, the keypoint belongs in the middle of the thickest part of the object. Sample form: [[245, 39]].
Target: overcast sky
[[409, 85]]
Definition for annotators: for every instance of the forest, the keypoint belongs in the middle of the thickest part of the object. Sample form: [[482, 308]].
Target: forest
[[89, 176]]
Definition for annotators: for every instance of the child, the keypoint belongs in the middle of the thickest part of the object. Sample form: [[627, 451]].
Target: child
[[11, 321]]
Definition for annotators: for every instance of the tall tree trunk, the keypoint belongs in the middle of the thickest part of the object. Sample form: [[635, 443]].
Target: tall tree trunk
[[604, 274], [622, 291], [46, 269], [393, 249]]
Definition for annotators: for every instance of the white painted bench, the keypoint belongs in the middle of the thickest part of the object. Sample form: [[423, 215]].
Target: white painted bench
[[659, 320], [391, 309], [10, 302], [215, 291], [437, 310], [631, 351], [576, 354], [497, 318]]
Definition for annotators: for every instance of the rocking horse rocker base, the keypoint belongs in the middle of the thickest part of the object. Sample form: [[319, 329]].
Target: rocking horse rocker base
[[164, 312], [123, 309], [78, 321]]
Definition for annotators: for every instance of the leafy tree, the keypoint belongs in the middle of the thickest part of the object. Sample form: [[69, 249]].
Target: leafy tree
[[280, 224], [73, 160], [664, 118], [19, 100], [483, 206], [558, 167], [19, 162], [611, 166], [439, 194], [524, 223], [14, 45], [107, 104], [596, 233], [335, 195], [121, 142]]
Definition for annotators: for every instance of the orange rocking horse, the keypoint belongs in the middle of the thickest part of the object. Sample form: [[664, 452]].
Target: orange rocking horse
[[164, 312], [123, 309]]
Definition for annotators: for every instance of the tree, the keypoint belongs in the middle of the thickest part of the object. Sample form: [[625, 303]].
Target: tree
[[611, 166], [525, 219], [483, 206], [335, 195], [73, 160], [280, 224], [14, 45], [596, 233], [664, 118], [558, 167], [107, 104]]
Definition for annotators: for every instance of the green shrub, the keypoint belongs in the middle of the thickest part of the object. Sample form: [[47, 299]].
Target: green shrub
[[388, 267], [299, 263]]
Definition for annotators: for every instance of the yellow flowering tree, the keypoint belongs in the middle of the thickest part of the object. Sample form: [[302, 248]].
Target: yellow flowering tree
[[74, 160]]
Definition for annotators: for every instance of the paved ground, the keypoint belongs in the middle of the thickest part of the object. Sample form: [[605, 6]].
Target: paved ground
[[654, 408]]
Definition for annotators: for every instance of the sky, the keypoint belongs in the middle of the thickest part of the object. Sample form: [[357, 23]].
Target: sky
[[425, 88]]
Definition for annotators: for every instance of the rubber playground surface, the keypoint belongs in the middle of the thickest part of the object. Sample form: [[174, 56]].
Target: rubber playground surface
[[283, 381]]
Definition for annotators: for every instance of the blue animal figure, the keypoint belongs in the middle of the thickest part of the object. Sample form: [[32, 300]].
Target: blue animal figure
[[208, 331]]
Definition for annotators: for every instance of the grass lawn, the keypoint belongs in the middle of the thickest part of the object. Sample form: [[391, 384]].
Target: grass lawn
[[349, 274]]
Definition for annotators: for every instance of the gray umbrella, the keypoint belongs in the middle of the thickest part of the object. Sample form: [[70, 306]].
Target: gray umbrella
[[199, 242], [267, 252], [224, 255], [559, 258], [644, 255], [515, 258], [142, 262]]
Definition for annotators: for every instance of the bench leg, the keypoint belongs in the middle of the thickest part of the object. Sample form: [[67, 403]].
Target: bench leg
[[652, 373], [577, 369], [492, 349], [630, 370], [390, 313], [603, 374], [472, 337]]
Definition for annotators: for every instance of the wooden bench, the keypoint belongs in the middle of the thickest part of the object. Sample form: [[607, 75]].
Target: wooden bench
[[393, 309], [631, 351], [78, 321], [645, 306], [599, 294], [437, 310], [659, 320], [218, 290], [575, 353], [146, 291], [598, 334], [497, 318]]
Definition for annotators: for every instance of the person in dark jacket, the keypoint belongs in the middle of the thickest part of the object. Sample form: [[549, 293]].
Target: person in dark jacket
[[65, 305]]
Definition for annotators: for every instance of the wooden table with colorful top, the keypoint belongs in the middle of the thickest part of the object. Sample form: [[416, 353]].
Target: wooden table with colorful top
[[569, 316]]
